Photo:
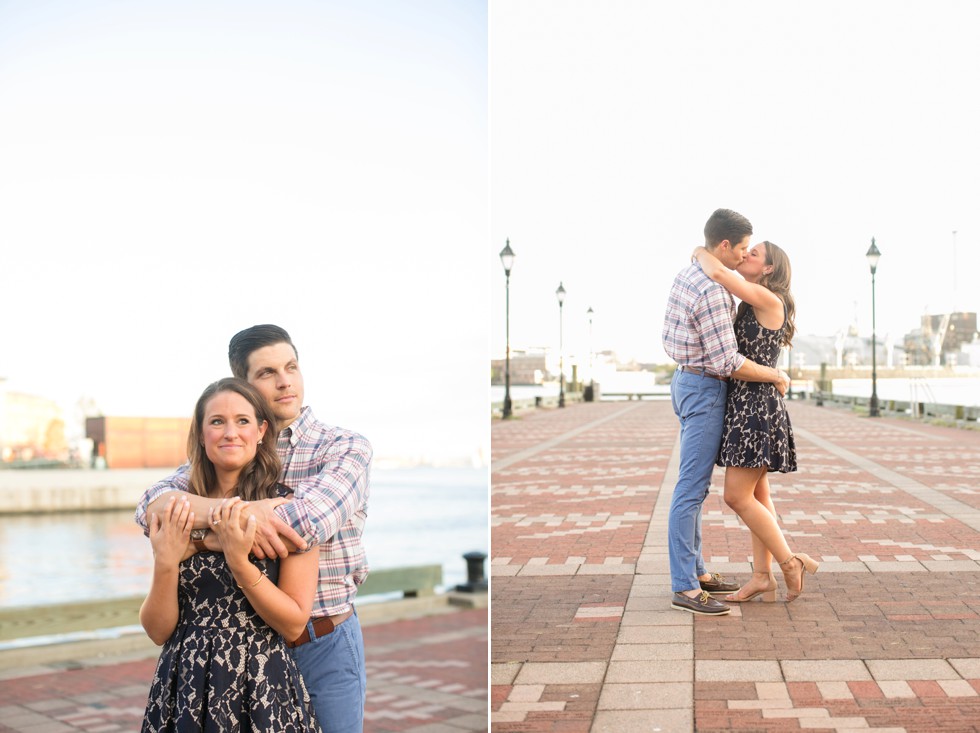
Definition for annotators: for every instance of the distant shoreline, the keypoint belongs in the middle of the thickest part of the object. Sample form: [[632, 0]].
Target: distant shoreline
[[51, 490]]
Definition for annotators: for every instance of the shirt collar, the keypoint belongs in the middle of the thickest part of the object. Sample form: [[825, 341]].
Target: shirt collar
[[299, 427]]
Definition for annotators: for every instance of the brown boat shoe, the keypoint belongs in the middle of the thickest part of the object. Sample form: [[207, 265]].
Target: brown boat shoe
[[716, 586], [702, 604]]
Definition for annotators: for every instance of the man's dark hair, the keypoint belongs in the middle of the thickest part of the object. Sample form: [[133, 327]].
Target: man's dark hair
[[243, 343], [726, 224]]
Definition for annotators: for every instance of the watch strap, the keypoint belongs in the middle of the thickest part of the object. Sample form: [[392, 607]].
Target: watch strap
[[197, 537]]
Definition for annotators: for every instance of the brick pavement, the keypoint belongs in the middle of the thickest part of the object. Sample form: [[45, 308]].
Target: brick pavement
[[425, 675], [886, 637]]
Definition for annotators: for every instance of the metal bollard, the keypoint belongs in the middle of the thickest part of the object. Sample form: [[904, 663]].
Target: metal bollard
[[476, 581]]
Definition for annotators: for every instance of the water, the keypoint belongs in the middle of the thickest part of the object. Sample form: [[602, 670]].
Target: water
[[417, 516], [523, 391], [963, 391], [941, 390]]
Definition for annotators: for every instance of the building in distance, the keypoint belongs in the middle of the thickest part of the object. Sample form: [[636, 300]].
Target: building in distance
[[138, 442]]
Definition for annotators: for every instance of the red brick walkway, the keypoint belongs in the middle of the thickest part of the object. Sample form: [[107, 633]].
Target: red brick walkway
[[426, 675], [885, 638]]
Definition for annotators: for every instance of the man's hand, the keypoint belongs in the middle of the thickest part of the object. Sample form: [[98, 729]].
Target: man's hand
[[271, 530], [199, 506], [782, 386]]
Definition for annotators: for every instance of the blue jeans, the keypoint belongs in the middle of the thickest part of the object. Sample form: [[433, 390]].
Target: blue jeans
[[333, 669], [699, 403]]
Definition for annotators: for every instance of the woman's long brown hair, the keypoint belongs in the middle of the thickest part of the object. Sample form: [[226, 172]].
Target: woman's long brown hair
[[259, 478], [778, 281]]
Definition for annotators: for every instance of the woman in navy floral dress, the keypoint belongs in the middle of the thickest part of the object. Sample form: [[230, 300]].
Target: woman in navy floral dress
[[758, 436], [221, 616]]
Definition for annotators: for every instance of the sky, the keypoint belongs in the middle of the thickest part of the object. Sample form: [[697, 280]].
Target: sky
[[617, 127], [172, 172]]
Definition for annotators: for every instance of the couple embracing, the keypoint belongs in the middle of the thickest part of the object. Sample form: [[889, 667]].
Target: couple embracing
[[728, 395], [258, 553]]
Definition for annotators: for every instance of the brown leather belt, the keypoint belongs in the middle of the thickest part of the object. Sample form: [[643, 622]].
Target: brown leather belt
[[700, 372], [322, 626]]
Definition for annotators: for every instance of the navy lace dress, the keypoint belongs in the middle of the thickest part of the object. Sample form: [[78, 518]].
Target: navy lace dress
[[224, 669], [757, 429]]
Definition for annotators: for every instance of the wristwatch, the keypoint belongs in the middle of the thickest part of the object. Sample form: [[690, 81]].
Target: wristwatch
[[197, 537]]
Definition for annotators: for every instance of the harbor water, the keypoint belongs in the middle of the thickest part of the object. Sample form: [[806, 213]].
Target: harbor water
[[963, 391], [417, 516]]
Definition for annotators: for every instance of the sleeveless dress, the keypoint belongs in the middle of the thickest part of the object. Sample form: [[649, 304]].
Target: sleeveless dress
[[757, 429], [225, 669]]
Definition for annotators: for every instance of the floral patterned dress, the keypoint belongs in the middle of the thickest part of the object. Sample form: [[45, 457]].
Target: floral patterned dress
[[757, 429], [224, 668]]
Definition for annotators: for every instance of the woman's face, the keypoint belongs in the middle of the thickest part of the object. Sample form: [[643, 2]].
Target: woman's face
[[754, 264], [230, 431]]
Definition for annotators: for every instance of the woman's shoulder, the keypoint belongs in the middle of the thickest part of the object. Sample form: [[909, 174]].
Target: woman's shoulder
[[750, 314]]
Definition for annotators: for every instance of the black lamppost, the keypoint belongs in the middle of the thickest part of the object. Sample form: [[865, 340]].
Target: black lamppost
[[589, 313], [873, 256], [560, 292], [507, 259]]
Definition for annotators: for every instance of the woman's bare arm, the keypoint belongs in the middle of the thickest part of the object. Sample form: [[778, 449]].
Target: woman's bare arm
[[768, 306], [274, 537], [285, 607], [170, 533]]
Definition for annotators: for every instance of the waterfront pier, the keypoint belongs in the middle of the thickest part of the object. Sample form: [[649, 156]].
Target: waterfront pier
[[86, 665], [43, 490], [886, 636], [425, 659]]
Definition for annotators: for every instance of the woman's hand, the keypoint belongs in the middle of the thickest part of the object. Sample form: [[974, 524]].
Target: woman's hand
[[170, 532], [235, 533], [710, 264]]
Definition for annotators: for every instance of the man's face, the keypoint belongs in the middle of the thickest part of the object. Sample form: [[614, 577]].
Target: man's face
[[274, 372], [731, 255]]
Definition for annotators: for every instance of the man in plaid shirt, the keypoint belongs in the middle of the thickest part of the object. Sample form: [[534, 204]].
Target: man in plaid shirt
[[699, 336], [328, 469]]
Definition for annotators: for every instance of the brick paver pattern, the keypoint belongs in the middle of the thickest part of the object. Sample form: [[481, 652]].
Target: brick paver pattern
[[426, 675], [885, 638]]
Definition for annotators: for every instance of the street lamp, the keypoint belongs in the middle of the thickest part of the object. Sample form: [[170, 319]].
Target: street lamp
[[560, 292], [589, 313], [873, 256], [507, 259]]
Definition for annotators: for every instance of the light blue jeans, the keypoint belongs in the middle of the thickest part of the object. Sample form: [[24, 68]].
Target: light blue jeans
[[699, 403], [333, 669]]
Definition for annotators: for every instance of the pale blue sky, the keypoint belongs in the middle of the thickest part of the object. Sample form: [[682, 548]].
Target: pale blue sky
[[172, 172], [618, 127]]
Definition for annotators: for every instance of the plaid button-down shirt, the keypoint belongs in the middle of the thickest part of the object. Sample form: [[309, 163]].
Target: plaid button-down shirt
[[698, 324], [329, 469]]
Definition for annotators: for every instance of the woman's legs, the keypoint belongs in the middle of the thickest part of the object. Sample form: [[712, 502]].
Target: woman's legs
[[747, 493], [761, 557]]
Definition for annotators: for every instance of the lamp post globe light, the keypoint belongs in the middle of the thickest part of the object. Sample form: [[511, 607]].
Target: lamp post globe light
[[507, 259], [560, 293], [873, 255]]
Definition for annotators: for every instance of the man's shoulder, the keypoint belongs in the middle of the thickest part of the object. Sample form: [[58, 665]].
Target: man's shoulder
[[693, 280], [313, 427]]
